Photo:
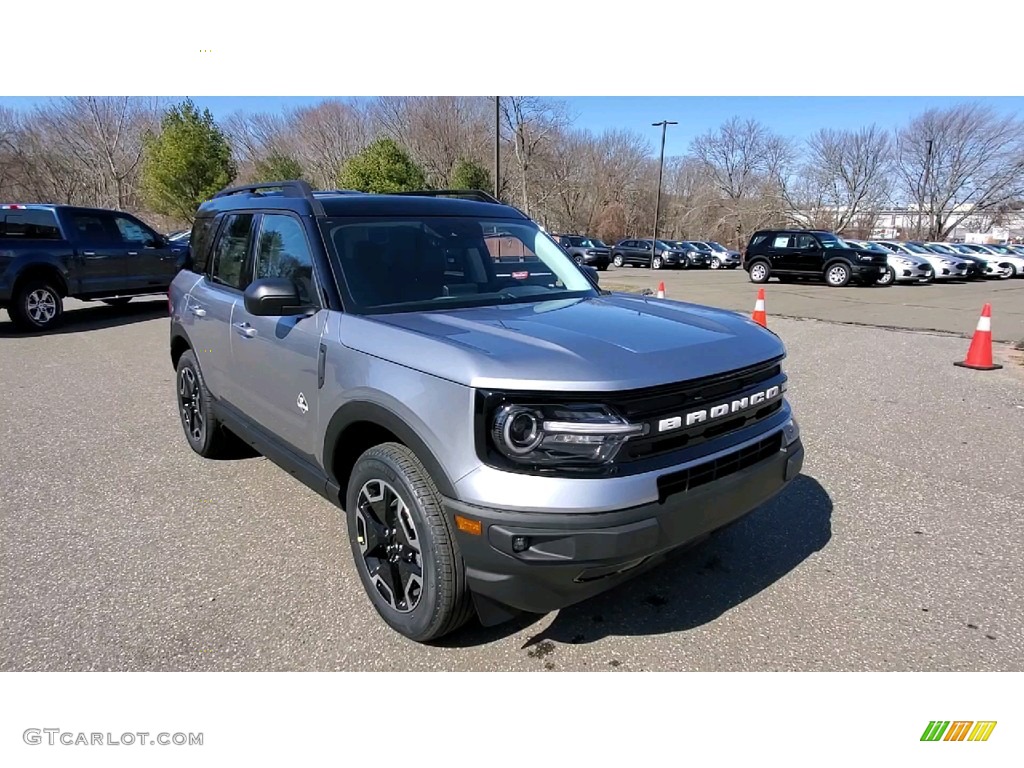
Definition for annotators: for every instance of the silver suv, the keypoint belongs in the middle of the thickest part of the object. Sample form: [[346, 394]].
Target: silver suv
[[503, 435]]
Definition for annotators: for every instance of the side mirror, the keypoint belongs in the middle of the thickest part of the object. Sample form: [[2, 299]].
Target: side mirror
[[593, 273], [157, 241], [274, 297]]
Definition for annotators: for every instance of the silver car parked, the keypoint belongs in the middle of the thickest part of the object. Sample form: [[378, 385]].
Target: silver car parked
[[903, 267]]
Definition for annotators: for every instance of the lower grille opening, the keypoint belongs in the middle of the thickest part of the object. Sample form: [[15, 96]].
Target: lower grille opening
[[709, 471]]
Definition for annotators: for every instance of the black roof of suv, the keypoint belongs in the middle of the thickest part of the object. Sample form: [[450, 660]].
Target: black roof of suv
[[299, 197]]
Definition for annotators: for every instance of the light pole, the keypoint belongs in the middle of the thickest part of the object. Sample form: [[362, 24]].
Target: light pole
[[927, 174], [664, 124], [497, 146]]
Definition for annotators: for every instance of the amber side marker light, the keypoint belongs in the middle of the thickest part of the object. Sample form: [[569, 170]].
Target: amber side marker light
[[469, 526]]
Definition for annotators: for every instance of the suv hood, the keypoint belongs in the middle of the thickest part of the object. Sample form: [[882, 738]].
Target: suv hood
[[609, 343]]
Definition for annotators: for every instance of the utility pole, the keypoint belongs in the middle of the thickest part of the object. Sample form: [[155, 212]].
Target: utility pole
[[497, 146], [927, 174], [664, 124]]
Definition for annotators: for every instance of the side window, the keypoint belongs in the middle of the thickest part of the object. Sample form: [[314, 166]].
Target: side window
[[202, 236], [93, 229], [781, 241], [30, 225], [132, 232], [757, 240], [283, 251], [806, 241], [229, 254]]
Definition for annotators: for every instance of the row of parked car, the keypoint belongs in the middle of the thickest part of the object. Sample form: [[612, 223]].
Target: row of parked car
[[656, 254], [806, 254]]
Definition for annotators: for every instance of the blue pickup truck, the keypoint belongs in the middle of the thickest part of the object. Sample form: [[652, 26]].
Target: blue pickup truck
[[51, 252]]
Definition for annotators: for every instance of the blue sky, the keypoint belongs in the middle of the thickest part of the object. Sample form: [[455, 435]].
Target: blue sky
[[790, 116]]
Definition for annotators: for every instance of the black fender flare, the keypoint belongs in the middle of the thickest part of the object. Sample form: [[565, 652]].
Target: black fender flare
[[363, 411], [41, 261]]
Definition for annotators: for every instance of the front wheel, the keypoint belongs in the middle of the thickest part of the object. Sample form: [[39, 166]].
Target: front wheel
[[837, 275], [405, 553], [1006, 271], [888, 277], [657, 262], [578, 260], [716, 263], [617, 261], [759, 272]]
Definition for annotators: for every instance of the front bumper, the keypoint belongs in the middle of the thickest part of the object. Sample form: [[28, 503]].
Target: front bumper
[[869, 272], [913, 274], [570, 557], [597, 259], [951, 273]]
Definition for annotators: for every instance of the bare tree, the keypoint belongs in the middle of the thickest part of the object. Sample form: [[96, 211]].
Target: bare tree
[[747, 162], [530, 123], [438, 131], [326, 135], [959, 162], [845, 175]]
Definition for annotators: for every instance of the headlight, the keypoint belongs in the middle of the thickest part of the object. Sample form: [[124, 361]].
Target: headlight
[[560, 434]]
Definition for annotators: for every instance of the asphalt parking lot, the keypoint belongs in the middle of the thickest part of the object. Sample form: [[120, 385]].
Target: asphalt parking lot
[[898, 549], [948, 307]]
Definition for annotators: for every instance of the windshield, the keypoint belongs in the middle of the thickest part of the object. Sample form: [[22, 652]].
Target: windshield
[[941, 248], [427, 263], [667, 245], [998, 248], [583, 242], [718, 247], [700, 246], [871, 246], [915, 248]]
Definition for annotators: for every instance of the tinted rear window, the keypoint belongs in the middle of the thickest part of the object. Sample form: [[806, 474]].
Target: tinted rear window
[[29, 225]]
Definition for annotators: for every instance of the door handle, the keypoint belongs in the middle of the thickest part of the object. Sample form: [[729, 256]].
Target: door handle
[[88, 253], [197, 311], [133, 253], [245, 330]]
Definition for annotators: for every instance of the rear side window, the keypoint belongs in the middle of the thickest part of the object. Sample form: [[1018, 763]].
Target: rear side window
[[29, 225], [231, 250], [780, 241], [95, 229], [202, 237]]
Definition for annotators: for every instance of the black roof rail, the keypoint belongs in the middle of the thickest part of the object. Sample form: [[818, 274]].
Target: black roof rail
[[293, 188], [471, 194]]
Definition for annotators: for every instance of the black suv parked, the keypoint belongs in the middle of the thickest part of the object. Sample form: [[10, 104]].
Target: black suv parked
[[50, 252], [792, 254], [586, 250], [637, 253]]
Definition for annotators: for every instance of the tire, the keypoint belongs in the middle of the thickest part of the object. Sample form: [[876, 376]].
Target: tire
[[603, 268], [617, 261], [210, 439], [419, 529], [760, 272], [36, 305], [888, 277], [120, 301], [656, 262], [716, 263], [1010, 271], [578, 260], [838, 274], [684, 263]]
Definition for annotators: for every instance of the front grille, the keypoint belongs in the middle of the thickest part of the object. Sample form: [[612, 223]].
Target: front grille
[[651, 406], [716, 469]]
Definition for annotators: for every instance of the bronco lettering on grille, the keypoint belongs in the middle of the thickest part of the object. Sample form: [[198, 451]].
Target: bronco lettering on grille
[[722, 409]]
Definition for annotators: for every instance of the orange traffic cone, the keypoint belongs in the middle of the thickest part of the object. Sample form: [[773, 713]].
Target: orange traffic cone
[[661, 290], [760, 316], [979, 354]]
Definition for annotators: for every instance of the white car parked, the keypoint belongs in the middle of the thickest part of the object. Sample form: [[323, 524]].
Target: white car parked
[[944, 267], [903, 267], [1003, 255]]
